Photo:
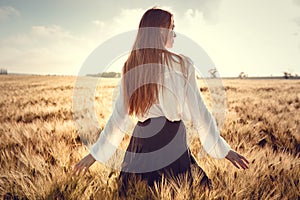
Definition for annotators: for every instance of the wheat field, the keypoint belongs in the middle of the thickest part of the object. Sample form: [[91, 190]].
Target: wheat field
[[39, 143]]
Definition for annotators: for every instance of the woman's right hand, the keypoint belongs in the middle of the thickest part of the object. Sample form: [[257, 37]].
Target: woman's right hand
[[83, 165], [237, 159]]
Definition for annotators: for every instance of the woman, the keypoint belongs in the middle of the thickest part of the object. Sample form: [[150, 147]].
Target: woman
[[160, 89]]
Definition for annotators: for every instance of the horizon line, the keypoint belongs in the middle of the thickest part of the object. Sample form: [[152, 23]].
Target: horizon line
[[95, 75]]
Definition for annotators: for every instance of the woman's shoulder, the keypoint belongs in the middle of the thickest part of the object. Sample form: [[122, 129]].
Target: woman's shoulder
[[187, 59], [177, 57], [189, 64], [184, 61]]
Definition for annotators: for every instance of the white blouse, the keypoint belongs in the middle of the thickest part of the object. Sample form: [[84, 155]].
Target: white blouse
[[181, 100]]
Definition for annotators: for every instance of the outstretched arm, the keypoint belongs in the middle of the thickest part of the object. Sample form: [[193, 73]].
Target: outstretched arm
[[109, 139], [205, 124], [202, 119]]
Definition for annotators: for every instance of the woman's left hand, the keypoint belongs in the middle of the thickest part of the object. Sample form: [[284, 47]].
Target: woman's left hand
[[83, 165]]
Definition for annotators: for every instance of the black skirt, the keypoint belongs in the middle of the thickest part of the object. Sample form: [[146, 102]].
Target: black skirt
[[158, 147]]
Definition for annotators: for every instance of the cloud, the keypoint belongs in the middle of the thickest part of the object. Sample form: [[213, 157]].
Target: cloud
[[7, 12], [48, 30], [53, 32], [98, 22], [45, 50], [209, 8], [126, 20]]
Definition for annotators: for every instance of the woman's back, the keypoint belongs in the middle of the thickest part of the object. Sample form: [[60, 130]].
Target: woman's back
[[171, 92]]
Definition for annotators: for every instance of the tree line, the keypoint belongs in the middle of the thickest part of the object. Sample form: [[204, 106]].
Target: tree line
[[106, 75], [3, 71]]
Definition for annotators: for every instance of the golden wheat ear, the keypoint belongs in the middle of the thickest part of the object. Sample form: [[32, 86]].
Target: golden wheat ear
[[205, 182]]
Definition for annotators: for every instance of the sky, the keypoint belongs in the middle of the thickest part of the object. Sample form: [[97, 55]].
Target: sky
[[257, 37]]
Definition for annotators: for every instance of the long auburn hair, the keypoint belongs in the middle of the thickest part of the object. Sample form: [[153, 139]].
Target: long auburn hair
[[143, 71]]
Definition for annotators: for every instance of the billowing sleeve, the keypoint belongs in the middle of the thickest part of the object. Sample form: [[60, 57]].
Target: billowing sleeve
[[203, 121], [113, 132]]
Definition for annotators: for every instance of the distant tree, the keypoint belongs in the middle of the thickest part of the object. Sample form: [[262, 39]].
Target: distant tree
[[287, 75], [213, 72], [106, 75], [242, 75], [3, 71], [111, 74]]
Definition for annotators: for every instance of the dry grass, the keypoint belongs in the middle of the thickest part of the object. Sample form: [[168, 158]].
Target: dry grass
[[39, 143]]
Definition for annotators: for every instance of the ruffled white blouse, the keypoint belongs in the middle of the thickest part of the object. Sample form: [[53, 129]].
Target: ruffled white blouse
[[181, 100]]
